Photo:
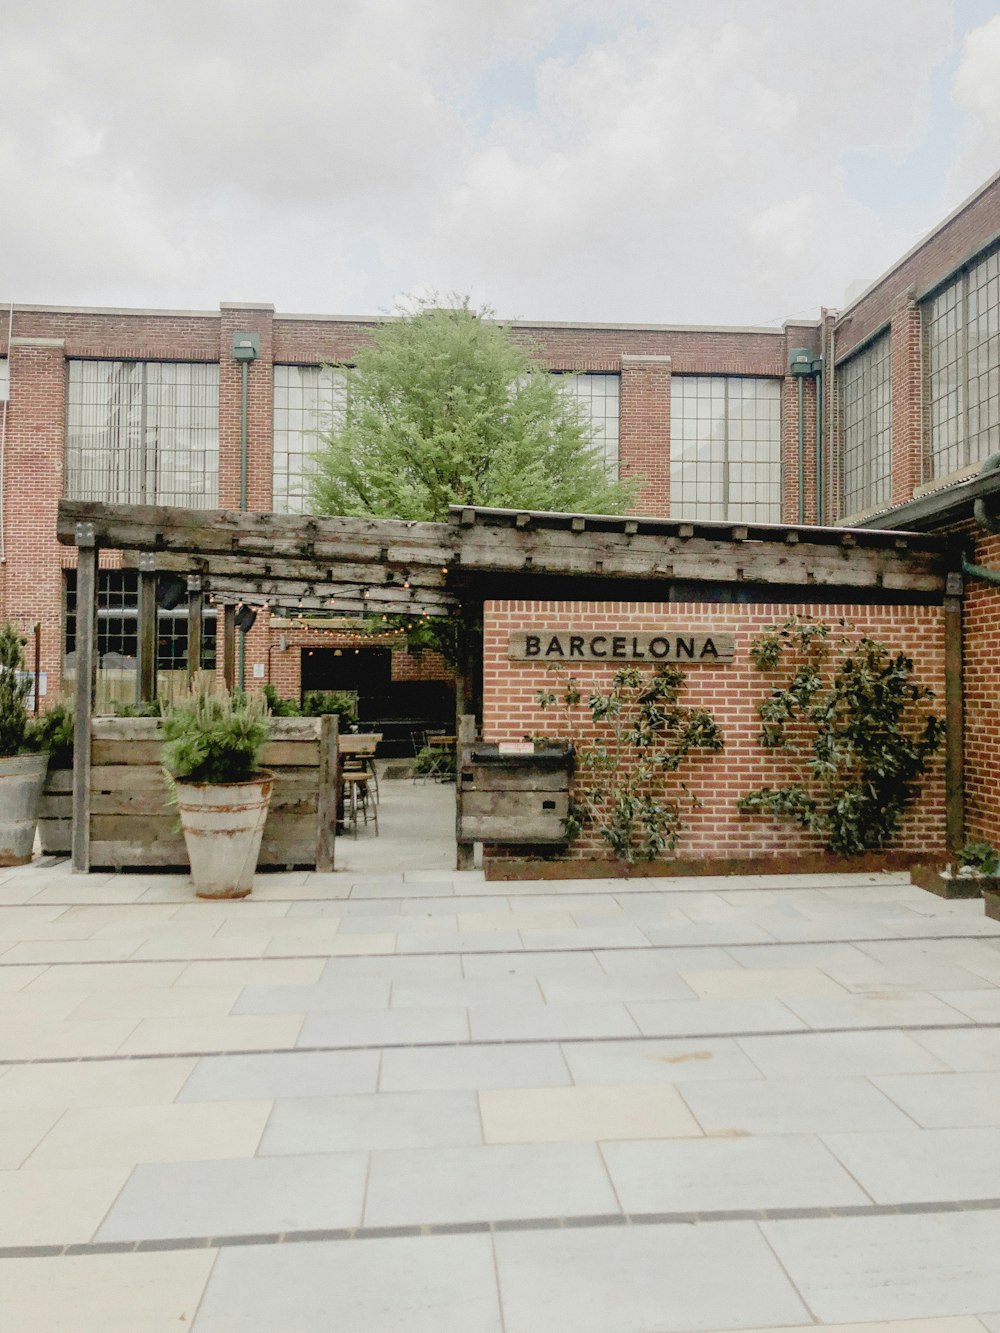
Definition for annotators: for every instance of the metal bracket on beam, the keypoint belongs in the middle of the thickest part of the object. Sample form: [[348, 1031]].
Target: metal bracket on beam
[[147, 563], [194, 583], [954, 584], [84, 534]]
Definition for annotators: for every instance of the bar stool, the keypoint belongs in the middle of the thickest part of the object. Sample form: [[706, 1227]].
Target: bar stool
[[358, 793]]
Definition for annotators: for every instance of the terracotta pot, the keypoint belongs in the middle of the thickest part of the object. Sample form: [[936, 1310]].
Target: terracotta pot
[[223, 825], [22, 777]]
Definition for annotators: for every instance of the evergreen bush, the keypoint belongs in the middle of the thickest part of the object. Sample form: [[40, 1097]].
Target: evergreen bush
[[214, 738], [15, 686]]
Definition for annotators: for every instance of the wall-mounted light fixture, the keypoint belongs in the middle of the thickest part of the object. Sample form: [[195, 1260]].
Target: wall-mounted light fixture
[[245, 618]]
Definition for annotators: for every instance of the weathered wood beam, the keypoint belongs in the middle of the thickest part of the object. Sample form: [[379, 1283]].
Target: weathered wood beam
[[307, 571], [229, 646], [146, 673], [86, 674], [318, 597], [195, 622]]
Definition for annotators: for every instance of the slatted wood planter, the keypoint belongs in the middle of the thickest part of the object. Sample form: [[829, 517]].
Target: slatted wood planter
[[519, 799], [133, 823], [55, 812]]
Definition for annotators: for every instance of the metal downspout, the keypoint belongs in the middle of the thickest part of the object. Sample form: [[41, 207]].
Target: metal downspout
[[241, 648], [802, 459]]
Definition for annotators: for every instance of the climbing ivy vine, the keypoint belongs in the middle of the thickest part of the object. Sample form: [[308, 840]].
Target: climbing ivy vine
[[853, 714], [622, 788]]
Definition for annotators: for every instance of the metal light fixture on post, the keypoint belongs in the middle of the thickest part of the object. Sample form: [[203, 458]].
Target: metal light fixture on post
[[246, 348]]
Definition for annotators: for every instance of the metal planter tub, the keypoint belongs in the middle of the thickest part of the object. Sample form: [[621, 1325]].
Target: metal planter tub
[[22, 777], [223, 825]]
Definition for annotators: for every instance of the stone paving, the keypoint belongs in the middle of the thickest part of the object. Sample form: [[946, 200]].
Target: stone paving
[[417, 1102]]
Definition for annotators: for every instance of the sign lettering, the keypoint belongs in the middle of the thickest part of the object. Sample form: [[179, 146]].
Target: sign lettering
[[553, 645]]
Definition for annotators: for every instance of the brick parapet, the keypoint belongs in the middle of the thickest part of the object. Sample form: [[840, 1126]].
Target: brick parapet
[[644, 426], [260, 409], [907, 399]]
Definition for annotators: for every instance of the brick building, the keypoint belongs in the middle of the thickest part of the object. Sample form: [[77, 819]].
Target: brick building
[[891, 403]]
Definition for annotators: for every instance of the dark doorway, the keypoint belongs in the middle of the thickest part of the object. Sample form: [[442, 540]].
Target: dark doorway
[[401, 710]]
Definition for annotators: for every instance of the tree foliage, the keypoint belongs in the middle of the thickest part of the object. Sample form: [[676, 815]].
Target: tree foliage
[[443, 408], [14, 689], [624, 787], [858, 722]]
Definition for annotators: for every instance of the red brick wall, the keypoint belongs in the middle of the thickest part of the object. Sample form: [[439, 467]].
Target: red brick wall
[[981, 626], [644, 430], [260, 408], [511, 710], [972, 228], [907, 412]]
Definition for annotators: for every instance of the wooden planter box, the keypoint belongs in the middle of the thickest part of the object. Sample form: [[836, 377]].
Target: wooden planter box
[[514, 799], [946, 886], [55, 813], [134, 824], [990, 889]]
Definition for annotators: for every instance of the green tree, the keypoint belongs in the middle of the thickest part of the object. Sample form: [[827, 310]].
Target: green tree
[[444, 407]]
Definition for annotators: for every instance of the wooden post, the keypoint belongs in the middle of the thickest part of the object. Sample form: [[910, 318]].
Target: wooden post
[[329, 790], [196, 618], [146, 674], [86, 669], [465, 859], [229, 645], [954, 719]]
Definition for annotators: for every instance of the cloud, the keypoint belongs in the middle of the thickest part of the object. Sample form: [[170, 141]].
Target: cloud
[[644, 160]]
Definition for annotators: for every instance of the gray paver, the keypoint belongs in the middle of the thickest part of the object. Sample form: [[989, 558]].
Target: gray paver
[[357, 993], [435, 1284], [378, 1120], [906, 1267], [941, 1100], [703, 1175], [235, 1078], [917, 1166], [832, 1054], [794, 1106], [977, 1049], [640, 1279], [676, 1018], [384, 1027], [487, 1183], [658, 1061], [540, 1066], [239, 1197]]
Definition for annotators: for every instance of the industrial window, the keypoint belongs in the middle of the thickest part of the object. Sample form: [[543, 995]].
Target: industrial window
[[143, 432], [725, 449], [962, 351], [865, 387], [598, 395], [118, 625], [308, 400]]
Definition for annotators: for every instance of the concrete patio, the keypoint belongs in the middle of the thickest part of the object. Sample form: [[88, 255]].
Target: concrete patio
[[415, 1102]]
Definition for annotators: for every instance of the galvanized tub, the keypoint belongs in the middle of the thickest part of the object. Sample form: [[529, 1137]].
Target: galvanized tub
[[223, 825], [22, 777]]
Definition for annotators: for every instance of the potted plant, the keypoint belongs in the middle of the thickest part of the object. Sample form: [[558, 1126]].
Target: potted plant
[[22, 774], [211, 748], [52, 733], [976, 873]]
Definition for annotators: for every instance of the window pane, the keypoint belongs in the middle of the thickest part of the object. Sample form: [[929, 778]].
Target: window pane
[[598, 395], [864, 385], [725, 449], [308, 400], [143, 433]]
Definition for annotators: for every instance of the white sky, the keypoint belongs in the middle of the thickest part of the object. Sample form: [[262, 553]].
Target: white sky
[[657, 161]]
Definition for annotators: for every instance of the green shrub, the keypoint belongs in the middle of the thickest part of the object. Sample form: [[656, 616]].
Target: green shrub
[[319, 703], [15, 686], [214, 738], [982, 857], [280, 707], [148, 708], [53, 732]]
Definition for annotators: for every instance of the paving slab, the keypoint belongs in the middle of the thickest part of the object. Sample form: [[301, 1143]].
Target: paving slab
[[446, 1185], [705, 1175], [445, 1068], [936, 1101], [671, 1279], [602, 1062], [585, 1115], [897, 1267], [95, 1083], [59, 1207], [434, 1284], [109, 1293], [920, 1166], [226, 1198], [376, 1120], [247, 1078], [794, 1106]]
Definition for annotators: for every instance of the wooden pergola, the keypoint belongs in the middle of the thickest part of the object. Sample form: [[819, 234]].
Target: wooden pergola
[[361, 566]]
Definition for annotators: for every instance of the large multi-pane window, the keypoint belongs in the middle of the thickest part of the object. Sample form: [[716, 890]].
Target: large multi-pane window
[[143, 432], [118, 625], [308, 400], [598, 395], [962, 358], [865, 387], [725, 449]]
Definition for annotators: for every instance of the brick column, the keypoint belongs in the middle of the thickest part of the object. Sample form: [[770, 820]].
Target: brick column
[[907, 399], [790, 448], [259, 319], [644, 424], [32, 488]]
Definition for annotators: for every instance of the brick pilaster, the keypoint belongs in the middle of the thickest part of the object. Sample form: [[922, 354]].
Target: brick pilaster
[[645, 430], [259, 319], [907, 402], [32, 487]]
